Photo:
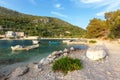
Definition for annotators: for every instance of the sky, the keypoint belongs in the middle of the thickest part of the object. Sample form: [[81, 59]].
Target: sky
[[76, 12]]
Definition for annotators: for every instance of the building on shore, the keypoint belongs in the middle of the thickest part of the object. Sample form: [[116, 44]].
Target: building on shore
[[9, 34], [12, 34], [20, 34]]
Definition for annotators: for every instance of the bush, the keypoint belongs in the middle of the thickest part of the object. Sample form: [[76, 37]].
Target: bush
[[111, 36], [66, 64], [92, 41]]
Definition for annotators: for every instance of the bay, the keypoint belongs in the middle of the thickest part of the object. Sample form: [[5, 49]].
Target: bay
[[7, 56]]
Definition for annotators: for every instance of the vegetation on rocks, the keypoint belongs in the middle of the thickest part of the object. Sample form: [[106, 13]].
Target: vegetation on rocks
[[66, 64], [92, 41]]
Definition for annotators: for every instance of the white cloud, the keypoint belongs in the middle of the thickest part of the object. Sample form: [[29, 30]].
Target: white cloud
[[90, 1], [59, 14], [2, 2], [58, 6], [33, 2], [104, 5], [109, 5], [100, 13]]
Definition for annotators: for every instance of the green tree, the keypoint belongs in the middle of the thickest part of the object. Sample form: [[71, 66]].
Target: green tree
[[97, 28], [113, 19]]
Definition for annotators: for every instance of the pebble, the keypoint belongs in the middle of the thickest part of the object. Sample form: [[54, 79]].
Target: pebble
[[108, 72]]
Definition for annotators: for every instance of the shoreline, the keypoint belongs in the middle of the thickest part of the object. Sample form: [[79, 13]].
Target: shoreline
[[42, 39], [9, 69], [105, 69]]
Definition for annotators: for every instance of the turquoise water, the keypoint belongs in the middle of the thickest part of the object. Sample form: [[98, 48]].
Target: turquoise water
[[7, 56]]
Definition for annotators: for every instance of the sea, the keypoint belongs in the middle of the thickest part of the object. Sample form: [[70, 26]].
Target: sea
[[9, 57]]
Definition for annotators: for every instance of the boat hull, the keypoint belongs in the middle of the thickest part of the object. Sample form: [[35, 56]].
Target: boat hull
[[18, 47]]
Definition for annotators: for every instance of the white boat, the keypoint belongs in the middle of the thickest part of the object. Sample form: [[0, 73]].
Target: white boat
[[19, 47], [35, 41], [66, 41]]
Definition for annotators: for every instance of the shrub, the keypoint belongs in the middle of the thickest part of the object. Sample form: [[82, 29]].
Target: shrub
[[66, 64], [92, 41]]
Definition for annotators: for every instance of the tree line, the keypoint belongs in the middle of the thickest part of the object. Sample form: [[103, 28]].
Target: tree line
[[108, 28]]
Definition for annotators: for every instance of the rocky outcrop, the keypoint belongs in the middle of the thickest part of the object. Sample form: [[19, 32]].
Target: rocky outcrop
[[55, 55], [20, 71]]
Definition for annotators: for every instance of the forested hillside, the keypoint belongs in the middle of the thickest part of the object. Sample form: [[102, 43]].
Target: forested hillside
[[37, 25], [108, 28]]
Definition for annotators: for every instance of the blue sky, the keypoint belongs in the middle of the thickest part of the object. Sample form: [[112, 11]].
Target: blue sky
[[76, 12]]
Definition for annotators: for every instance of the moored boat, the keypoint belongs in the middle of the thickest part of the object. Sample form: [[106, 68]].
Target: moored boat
[[35, 41], [19, 47]]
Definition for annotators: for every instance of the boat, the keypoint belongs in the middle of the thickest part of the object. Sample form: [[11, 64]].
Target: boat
[[66, 41], [54, 42], [19, 47], [35, 41], [73, 41]]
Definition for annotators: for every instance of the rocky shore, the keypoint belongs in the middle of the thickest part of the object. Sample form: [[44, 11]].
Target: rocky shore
[[104, 69]]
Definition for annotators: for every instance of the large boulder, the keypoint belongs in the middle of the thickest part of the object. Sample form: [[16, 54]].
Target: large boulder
[[96, 53]]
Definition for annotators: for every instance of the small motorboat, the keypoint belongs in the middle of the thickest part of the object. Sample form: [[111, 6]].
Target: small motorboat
[[19, 47], [35, 41]]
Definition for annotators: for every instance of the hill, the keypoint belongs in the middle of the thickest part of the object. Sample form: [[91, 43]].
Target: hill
[[37, 25]]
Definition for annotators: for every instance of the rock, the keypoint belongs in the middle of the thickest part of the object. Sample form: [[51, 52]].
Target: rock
[[65, 54], [2, 76], [20, 71], [40, 66], [31, 65], [49, 56], [108, 72], [36, 66], [42, 61], [65, 51], [59, 53], [46, 61], [72, 49], [96, 53], [51, 59], [54, 53]]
